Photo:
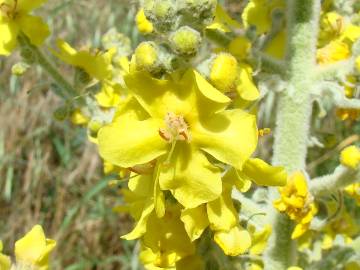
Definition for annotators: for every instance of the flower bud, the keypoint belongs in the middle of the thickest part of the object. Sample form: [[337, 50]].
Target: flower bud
[[224, 72], [161, 13], [350, 157], [199, 10], [19, 68], [146, 57], [185, 41]]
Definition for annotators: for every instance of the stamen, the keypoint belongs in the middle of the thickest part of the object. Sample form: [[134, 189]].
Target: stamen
[[176, 129]]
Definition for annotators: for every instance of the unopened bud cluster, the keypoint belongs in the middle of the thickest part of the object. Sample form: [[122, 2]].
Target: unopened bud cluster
[[178, 27]]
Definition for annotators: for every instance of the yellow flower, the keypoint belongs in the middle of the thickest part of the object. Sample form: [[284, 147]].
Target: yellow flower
[[143, 24], [97, 65], [109, 95], [34, 249], [15, 19], [297, 203], [167, 238], [354, 191], [332, 25], [79, 118], [259, 14], [5, 261], [222, 21], [186, 118], [350, 157], [334, 51], [224, 221]]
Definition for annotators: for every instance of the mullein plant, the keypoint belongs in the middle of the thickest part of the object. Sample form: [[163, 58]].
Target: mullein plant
[[175, 119]]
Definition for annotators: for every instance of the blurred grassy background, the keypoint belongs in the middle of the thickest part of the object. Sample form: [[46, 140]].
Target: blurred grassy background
[[48, 175]]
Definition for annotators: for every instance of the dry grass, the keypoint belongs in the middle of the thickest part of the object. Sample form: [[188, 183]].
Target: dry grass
[[48, 173]]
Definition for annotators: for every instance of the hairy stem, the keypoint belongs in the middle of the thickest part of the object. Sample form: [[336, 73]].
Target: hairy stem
[[35, 55], [342, 177], [293, 119]]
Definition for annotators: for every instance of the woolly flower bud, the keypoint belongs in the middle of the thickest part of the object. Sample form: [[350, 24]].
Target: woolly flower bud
[[185, 41], [143, 24], [161, 13], [224, 72], [147, 58], [201, 10], [350, 157]]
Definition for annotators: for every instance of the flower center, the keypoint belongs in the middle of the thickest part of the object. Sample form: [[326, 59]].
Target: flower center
[[176, 128]]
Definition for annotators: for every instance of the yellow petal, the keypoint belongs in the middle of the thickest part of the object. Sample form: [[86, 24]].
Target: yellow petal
[[221, 212], [143, 24], [240, 47], [276, 47], [234, 242], [129, 142], [234, 178], [34, 248], [8, 38], [246, 87], [222, 21], [195, 221], [140, 227], [264, 174], [259, 240], [34, 28], [167, 237], [191, 178], [29, 5], [230, 136]]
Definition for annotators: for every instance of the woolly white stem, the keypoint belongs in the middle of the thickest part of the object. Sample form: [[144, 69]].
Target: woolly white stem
[[293, 119], [340, 178]]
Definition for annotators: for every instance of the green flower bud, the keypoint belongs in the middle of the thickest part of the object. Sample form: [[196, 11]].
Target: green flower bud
[[185, 41], [199, 10], [19, 68], [162, 13], [61, 113], [146, 57]]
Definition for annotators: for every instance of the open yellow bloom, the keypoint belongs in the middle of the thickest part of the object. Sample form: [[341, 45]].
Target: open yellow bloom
[[97, 65], [350, 156], [15, 19], [186, 118], [297, 203], [34, 249]]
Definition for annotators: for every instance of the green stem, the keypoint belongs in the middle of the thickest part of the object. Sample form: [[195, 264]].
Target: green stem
[[294, 110], [35, 55]]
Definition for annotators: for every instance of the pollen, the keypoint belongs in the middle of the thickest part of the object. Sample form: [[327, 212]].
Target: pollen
[[176, 128]]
